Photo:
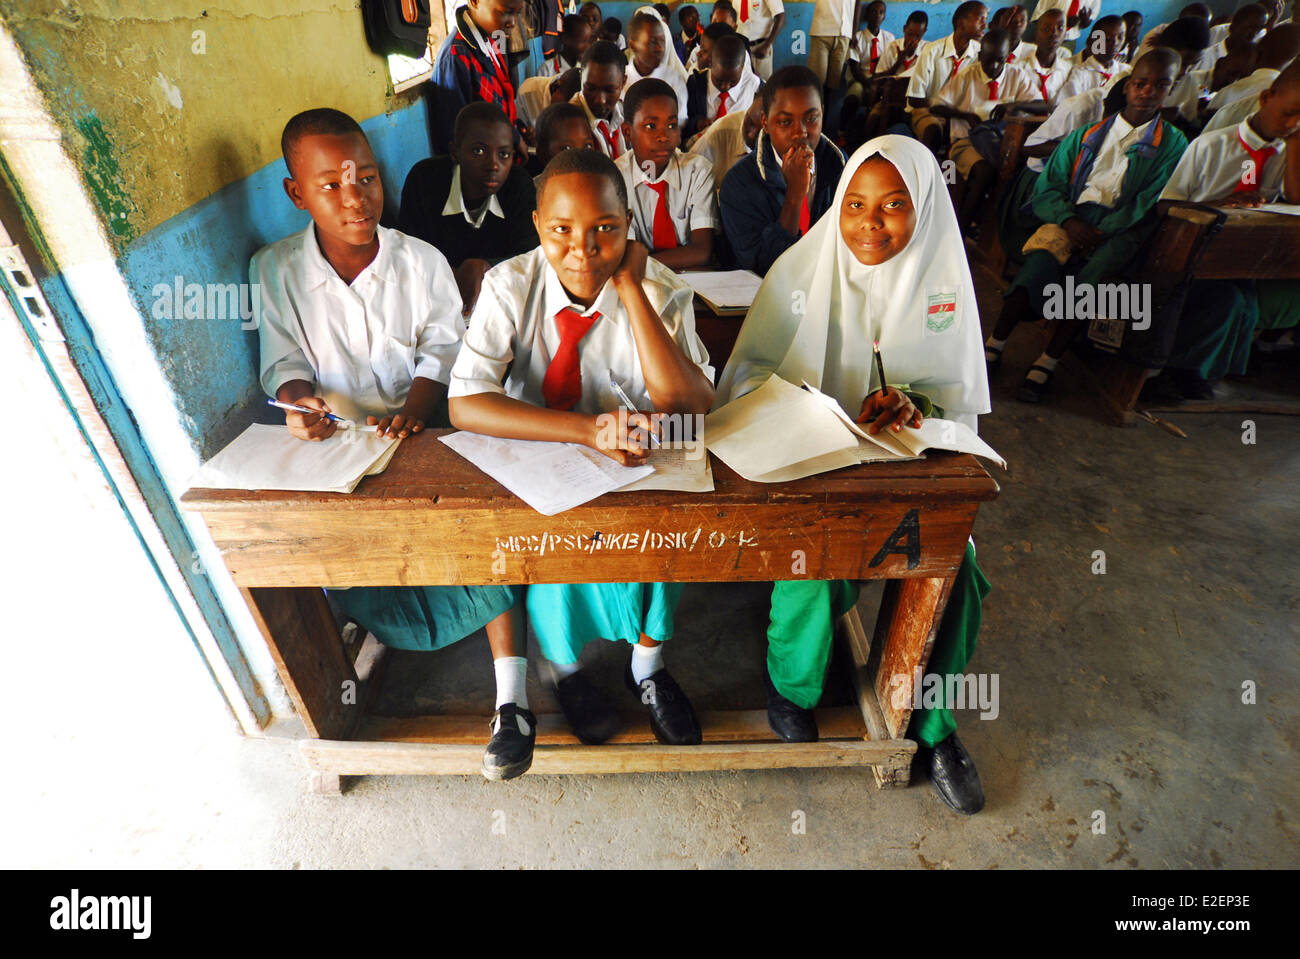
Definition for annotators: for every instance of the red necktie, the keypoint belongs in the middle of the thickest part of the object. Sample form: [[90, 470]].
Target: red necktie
[[1042, 84], [875, 52], [956, 65], [722, 105], [1259, 159], [665, 234], [1010, 57], [993, 89], [744, 10], [1074, 9], [804, 217], [611, 138], [562, 385]]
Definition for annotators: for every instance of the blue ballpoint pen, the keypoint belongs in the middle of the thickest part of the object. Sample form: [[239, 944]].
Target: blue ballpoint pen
[[623, 398]]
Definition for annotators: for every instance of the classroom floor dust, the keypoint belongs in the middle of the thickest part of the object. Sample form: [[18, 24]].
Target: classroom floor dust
[[1146, 715]]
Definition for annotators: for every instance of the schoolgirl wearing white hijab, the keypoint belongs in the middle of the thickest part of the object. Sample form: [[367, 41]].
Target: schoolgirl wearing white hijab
[[885, 263], [670, 69]]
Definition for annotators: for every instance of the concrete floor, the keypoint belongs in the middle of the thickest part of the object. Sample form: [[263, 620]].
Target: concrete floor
[[1120, 693]]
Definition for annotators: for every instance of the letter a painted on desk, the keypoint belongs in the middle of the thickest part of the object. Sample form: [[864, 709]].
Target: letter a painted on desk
[[906, 540]]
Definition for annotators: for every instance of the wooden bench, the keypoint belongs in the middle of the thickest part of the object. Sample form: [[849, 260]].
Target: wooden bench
[[433, 518], [1197, 242]]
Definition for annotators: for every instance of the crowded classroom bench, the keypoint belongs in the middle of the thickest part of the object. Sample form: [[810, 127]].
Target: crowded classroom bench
[[433, 518]]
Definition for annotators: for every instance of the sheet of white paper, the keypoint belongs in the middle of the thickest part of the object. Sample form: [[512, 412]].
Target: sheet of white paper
[[549, 477], [682, 470], [774, 427], [883, 443], [941, 434], [1290, 209], [729, 289], [269, 457]]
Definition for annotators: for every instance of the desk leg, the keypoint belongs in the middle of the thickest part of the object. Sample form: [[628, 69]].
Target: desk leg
[[304, 641], [905, 630]]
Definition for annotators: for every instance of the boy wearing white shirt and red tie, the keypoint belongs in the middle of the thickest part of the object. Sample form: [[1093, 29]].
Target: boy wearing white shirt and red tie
[[869, 43], [674, 210], [549, 329], [980, 91], [604, 69], [900, 56], [1258, 161], [1099, 62], [365, 322], [939, 63], [726, 87], [1047, 67], [759, 21], [1015, 21]]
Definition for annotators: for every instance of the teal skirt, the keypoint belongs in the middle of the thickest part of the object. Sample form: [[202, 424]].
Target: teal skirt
[[424, 617], [567, 616]]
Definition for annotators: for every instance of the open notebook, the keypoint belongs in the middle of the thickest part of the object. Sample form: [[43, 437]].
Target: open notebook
[[270, 457], [780, 432]]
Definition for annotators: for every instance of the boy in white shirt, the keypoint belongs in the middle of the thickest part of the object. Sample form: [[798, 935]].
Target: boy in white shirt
[[365, 322], [901, 54], [980, 91], [728, 86], [1014, 20], [575, 38], [1275, 51], [759, 22], [549, 329], [1047, 67], [869, 43], [604, 70], [937, 64], [1076, 15], [674, 209], [1258, 161], [1098, 63]]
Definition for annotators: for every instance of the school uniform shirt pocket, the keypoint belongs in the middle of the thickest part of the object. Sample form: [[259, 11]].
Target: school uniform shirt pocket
[[941, 317], [397, 355]]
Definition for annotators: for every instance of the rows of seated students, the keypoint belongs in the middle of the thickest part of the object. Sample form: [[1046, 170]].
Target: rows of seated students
[[534, 256]]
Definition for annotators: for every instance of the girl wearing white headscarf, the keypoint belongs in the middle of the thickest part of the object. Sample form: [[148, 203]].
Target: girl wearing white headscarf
[[670, 69], [814, 319]]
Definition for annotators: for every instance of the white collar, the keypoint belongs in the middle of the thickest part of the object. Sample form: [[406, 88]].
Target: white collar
[[319, 271], [1252, 139], [639, 175], [555, 297], [456, 203]]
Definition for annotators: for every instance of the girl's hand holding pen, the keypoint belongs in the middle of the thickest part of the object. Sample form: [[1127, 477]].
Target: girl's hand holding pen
[[888, 408]]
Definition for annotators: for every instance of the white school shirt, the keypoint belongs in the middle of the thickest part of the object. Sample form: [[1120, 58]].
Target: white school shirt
[[556, 66], [1089, 74], [532, 97], [1245, 87], [513, 326], [739, 97], [831, 18], [1106, 180], [692, 202], [672, 78], [1053, 79], [456, 203], [894, 50], [969, 91], [761, 14], [722, 144], [1024, 51], [1232, 114], [361, 344], [614, 126], [860, 49], [934, 67], [1186, 94], [1205, 60], [1214, 163], [1078, 111], [1071, 33]]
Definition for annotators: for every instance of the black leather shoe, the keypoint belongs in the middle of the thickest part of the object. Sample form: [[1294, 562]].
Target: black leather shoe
[[590, 714], [788, 720], [510, 752], [955, 777], [671, 715]]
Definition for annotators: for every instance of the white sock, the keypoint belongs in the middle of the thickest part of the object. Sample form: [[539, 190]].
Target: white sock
[[994, 343], [1047, 363], [512, 672], [646, 661], [562, 670]]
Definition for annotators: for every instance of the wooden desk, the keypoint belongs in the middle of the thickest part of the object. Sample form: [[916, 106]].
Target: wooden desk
[[1198, 242], [432, 518]]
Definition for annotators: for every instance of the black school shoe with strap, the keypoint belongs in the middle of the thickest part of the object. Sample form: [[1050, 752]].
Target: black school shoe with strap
[[1032, 391], [789, 720], [672, 717], [590, 714], [510, 752], [953, 775]]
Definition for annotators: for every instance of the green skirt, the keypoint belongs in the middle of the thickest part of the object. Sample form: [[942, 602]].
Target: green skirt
[[424, 617], [567, 616]]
